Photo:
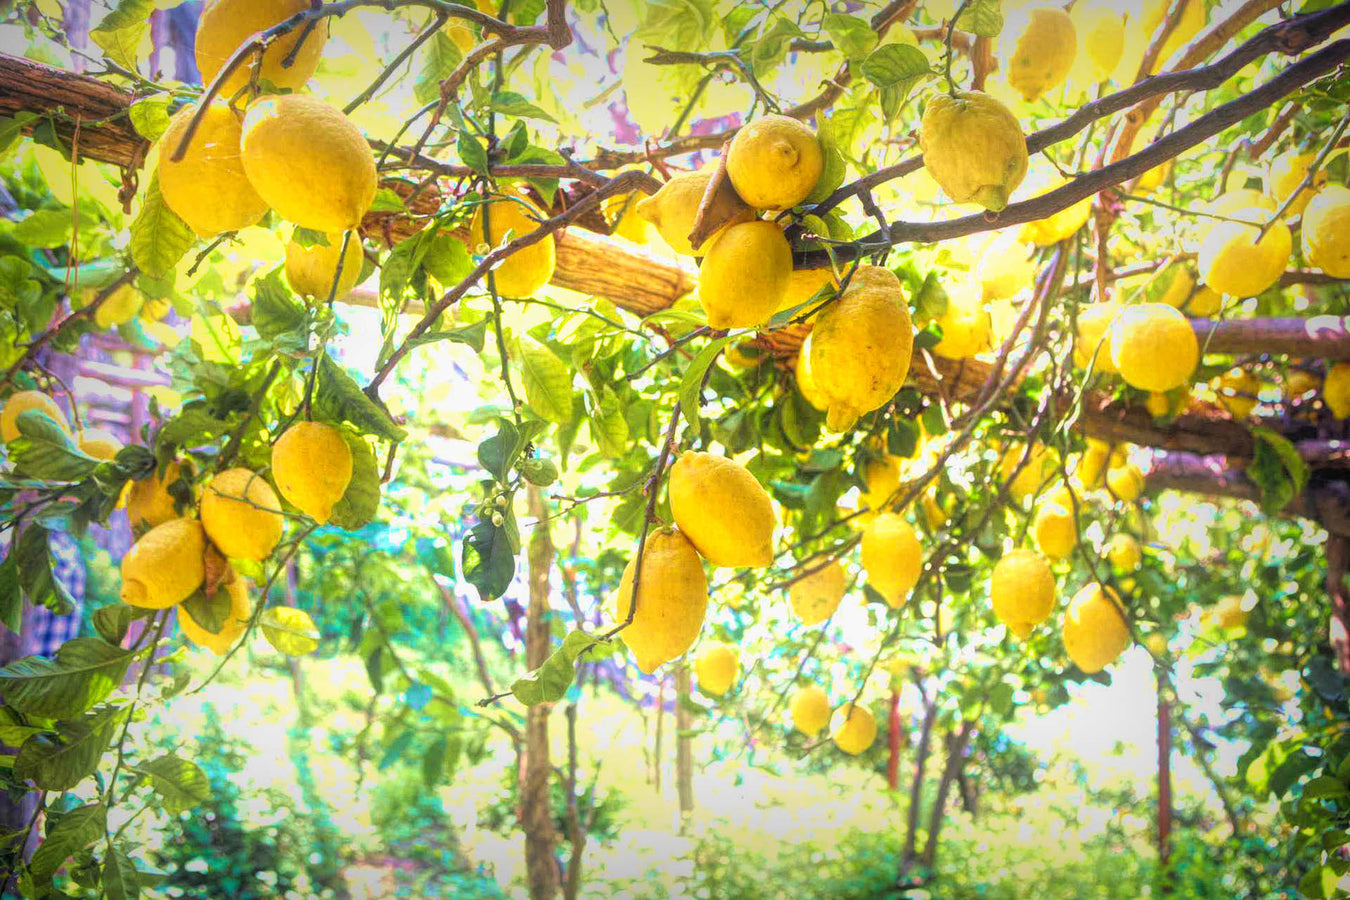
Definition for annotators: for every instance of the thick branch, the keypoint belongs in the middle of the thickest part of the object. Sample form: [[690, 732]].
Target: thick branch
[[106, 133], [1323, 336]]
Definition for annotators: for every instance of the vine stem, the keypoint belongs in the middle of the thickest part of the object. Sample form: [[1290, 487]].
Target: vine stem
[[947, 53]]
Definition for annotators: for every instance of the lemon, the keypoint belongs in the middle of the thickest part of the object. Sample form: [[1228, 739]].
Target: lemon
[[810, 709], [1238, 391], [1055, 532], [673, 597], [226, 24], [1092, 464], [1287, 172], [1192, 20], [1243, 204], [1158, 405], [892, 557], [1299, 383], [774, 162], [1326, 231], [1101, 30], [861, 347], [1123, 552], [1204, 303], [853, 729], [1045, 44], [1232, 261], [1156, 644], [236, 620], [1003, 267], [1172, 286], [674, 209], [1336, 390], [816, 595], [722, 510], [461, 35], [1022, 590], [312, 465], [309, 162], [624, 221], [717, 669], [241, 514], [1228, 612], [973, 147], [1154, 347], [881, 479], [1093, 344], [1041, 468], [165, 566], [1095, 631], [1125, 482], [524, 272], [149, 501], [804, 284], [745, 274], [208, 188], [22, 401], [99, 444], [310, 270], [1058, 226], [965, 324], [806, 383], [121, 306], [933, 512]]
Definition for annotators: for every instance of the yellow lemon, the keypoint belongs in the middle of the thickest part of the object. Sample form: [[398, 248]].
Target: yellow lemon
[[853, 729], [1092, 465], [744, 276], [1204, 303], [933, 512], [892, 557], [524, 272], [973, 147], [99, 444], [1229, 613], [672, 599], [1155, 11], [816, 595], [1156, 644], [309, 162], [1287, 172], [226, 24], [311, 270], [1093, 344], [236, 620], [810, 709], [1336, 390], [806, 383], [22, 401], [1095, 630], [1022, 590], [881, 479], [1045, 44], [208, 188], [149, 501], [1233, 261], [241, 514], [1058, 226], [861, 347], [965, 325], [1238, 391], [1154, 347], [1055, 532], [722, 510], [1125, 482], [1101, 30], [165, 566], [312, 465], [1299, 383], [774, 162], [674, 209], [1123, 551], [804, 284], [717, 669], [121, 306], [1003, 268], [1326, 231], [1246, 205], [1041, 468]]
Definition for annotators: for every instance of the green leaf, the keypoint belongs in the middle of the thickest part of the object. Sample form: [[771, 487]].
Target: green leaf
[[512, 104], [548, 382], [851, 35], [14, 730], [361, 501], [45, 228], [440, 56], [982, 18], [472, 152], [609, 428], [46, 451], [159, 239], [832, 175], [489, 561], [11, 594], [112, 622], [75, 830], [290, 631], [386, 200], [150, 116], [1277, 468], [691, 386], [310, 238], [433, 762], [276, 310], [402, 263], [36, 578], [540, 472], [11, 128], [896, 69], [549, 682], [120, 32], [447, 260], [83, 672], [474, 336], [120, 878], [769, 49], [338, 398], [180, 783], [211, 613], [1325, 786], [59, 760], [499, 453]]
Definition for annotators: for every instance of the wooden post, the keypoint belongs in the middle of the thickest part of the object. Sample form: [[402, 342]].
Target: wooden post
[[1338, 562], [536, 814], [1164, 774], [660, 727], [684, 751], [894, 735]]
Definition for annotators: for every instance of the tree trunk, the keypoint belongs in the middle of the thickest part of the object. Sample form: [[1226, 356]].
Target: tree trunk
[[684, 755], [536, 815], [1164, 778], [657, 757], [894, 735], [916, 788], [575, 826], [1338, 562], [969, 796], [956, 758]]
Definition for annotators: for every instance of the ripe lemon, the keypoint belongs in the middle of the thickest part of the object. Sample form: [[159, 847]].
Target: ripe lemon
[[1228, 612], [1244, 204], [241, 514], [1192, 20], [1204, 303], [861, 347], [1326, 231], [717, 669], [1093, 343], [1095, 631], [673, 596], [1171, 286], [1101, 31], [1238, 391], [1059, 226], [236, 620], [892, 557], [1287, 172], [1092, 464], [1232, 261], [1299, 383], [722, 510], [149, 501], [806, 382], [1003, 267], [309, 162], [804, 284], [853, 729], [744, 276], [1055, 532], [624, 221], [1041, 468], [815, 596], [165, 566], [120, 306], [1336, 390], [1156, 644], [973, 147], [965, 324], [1044, 43], [774, 162], [1123, 551], [1022, 590], [22, 401], [99, 444], [674, 209], [1153, 347], [810, 709], [208, 188], [524, 272], [1125, 482], [881, 479], [226, 24], [312, 466], [310, 270], [933, 512]]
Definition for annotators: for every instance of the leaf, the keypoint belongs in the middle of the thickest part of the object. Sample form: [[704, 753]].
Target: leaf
[[402, 263], [433, 762], [896, 68], [852, 36], [59, 760], [832, 175], [11, 129], [211, 613], [84, 671], [474, 336], [11, 594], [45, 228], [338, 398], [360, 503], [549, 682], [112, 622], [180, 783], [290, 631], [1277, 468], [472, 152], [75, 830], [276, 310], [609, 428], [120, 878], [1323, 787], [982, 18], [489, 561], [159, 239], [691, 387], [44, 450], [36, 577], [14, 730], [447, 260], [439, 58], [498, 453], [512, 104], [548, 382], [120, 32], [150, 116]]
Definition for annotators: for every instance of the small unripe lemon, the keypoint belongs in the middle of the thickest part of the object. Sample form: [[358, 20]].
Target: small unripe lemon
[[312, 465], [774, 162], [1154, 347], [810, 709], [672, 600], [717, 669], [723, 510], [892, 557], [853, 728], [165, 566], [815, 596], [1022, 590], [241, 514], [1095, 630]]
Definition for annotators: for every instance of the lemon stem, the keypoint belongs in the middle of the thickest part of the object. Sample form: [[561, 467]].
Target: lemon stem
[[947, 54]]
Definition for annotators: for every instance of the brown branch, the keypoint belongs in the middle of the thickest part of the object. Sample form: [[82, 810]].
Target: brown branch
[[719, 184], [62, 97], [1318, 336], [1160, 38]]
